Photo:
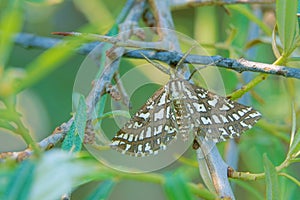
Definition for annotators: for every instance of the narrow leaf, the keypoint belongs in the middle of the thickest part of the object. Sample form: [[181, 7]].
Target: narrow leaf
[[74, 138], [80, 122], [247, 12], [69, 139], [176, 187], [271, 179], [287, 23], [294, 123], [294, 150], [102, 191], [274, 44], [20, 182]]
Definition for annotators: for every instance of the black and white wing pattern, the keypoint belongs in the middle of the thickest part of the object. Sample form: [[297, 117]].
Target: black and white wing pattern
[[150, 129], [181, 107], [215, 117]]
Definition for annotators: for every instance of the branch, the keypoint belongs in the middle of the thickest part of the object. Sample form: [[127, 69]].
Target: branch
[[32, 41], [239, 65], [216, 168], [252, 177], [47, 143]]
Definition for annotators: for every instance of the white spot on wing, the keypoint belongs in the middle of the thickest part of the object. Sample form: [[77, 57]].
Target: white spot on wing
[[162, 99], [137, 125], [125, 136], [147, 147], [232, 131], [213, 102], [130, 137], [158, 140], [199, 107], [235, 116], [256, 114], [224, 107], [127, 147], [168, 112], [159, 115], [116, 142], [140, 148], [206, 120], [241, 113], [145, 116], [141, 135], [148, 133], [157, 130]]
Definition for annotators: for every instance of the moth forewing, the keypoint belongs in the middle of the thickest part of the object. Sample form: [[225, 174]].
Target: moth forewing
[[150, 129]]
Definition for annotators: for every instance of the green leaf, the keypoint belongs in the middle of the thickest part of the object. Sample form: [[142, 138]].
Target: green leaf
[[48, 61], [274, 45], [294, 150], [102, 191], [74, 138], [176, 187], [57, 173], [247, 12], [10, 24], [18, 187], [69, 139], [271, 179], [80, 120], [287, 24]]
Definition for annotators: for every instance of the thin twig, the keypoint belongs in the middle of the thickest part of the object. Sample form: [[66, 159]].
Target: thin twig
[[251, 176], [175, 4], [47, 143]]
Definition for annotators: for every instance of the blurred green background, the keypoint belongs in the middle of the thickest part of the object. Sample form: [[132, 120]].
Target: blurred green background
[[49, 102]]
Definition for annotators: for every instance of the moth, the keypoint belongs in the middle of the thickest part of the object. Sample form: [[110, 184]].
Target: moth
[[179, 108]]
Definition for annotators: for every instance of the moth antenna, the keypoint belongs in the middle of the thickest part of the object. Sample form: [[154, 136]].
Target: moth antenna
[[196, 68], [157, 65], [184, 56]]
